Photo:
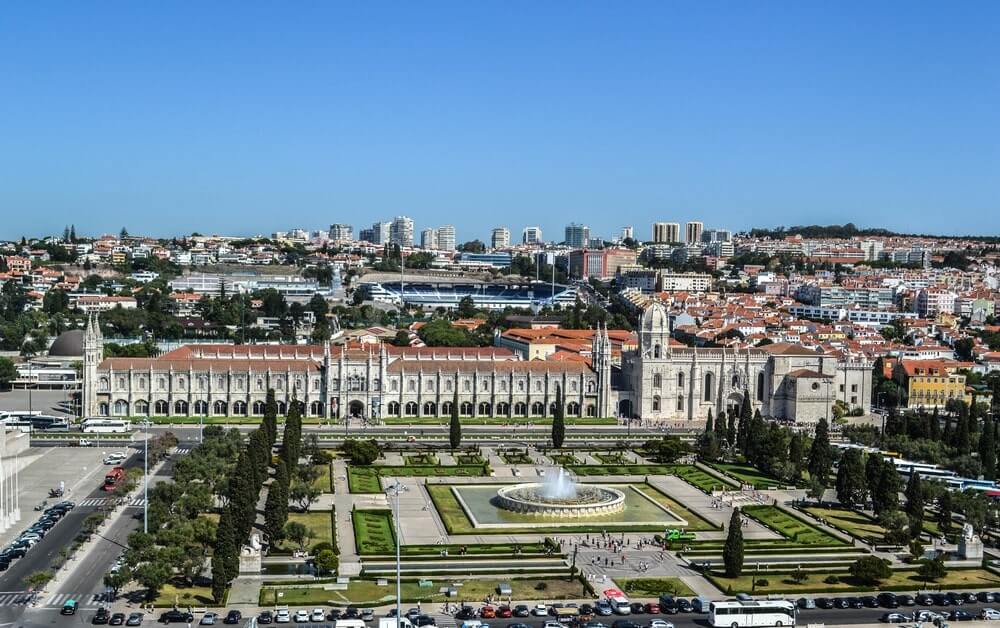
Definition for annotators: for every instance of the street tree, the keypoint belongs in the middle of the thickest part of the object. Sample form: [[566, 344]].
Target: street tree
[[820, 458], [732, 551], [851, 479], [455, 426], [558, 421], [870, 570]]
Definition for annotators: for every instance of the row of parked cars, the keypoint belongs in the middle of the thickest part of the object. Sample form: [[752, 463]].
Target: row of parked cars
[[667, 605], [33, 535], [935, 617], [894, 600]]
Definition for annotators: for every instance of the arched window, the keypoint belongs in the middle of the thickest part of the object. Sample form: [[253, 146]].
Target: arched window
[[279, 384], [465, 409], [520, 385], [411, 408], [240, 408], [219, 408], [760, 387], [355, 385], [161, 407], [181, 383], [161, 383], [709, 385], [121, 408], [573, 408], [446, 407], [503, 409], [411, 385], [656, 403], [552, 408], [316, 408], [503, 385], [538, 385], [520, 409], [572, 385], [467, 386], [484, 408], [591, 409], [538, 409], [447, 385], [736, 381], [590, 387], [680, 380], [260, 384], [258, 408], [142, 382], [485, 385], [202, 383], [430, 408], [393, 408], [282, 407], [221, 381], [142, 407], [103, 384], [201, 407], [121, 383], [657, 380], [429, 385], [102, 409], [656, 350], [680, 402], [180, 407]]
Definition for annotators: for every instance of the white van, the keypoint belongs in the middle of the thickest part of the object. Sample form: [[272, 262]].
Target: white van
[[388, 622], [620, 605], [352, 623]]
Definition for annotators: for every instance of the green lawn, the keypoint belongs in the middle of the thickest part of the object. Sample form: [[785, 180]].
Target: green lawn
[[790, 526], [324, 481], [701, 480], [622, 469], [369, 593], [365, 479], [654, 587], [614, 458], [422, 459], [903, 580], [173, 594], [373, 532], [695, 521], [518, 458], [746, 474], [469, 459], [564, 459], [477, 549], [855, 523], [320, 522]]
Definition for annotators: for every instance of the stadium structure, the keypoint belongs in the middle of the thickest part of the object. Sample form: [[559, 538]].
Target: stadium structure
[[447, 294]]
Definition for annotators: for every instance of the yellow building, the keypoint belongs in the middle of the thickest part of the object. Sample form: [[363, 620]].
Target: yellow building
[[931, 383]]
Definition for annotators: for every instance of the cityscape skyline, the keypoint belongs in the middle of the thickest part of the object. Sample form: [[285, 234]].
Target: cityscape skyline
[[223, 120]]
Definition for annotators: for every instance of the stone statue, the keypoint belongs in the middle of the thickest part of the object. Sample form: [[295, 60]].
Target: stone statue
[[250, 555], [970, 547], [967, 532]]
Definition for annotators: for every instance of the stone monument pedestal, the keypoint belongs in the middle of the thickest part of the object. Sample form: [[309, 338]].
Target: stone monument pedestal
[[250, 556], [970, 546]]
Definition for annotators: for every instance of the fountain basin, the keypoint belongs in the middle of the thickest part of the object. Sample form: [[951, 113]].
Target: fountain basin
[[534, 499]]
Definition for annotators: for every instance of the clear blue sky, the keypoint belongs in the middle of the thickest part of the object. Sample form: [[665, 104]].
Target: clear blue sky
[[247, 117]]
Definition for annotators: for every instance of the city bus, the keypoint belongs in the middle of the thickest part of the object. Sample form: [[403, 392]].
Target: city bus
[[106, 426], [738, 614], [32, 421]]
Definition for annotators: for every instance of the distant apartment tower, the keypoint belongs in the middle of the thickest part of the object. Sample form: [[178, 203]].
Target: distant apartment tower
[[340, 232], [401, 231], [428, 239], [577, 236], [692, 232], [531, 235], [500, 238], [377, 234], [666, 232], [710, 236], [627, 233], [446, 237]]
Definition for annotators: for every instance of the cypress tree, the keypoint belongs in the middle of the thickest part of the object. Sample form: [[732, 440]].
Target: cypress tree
[[455, 427], [276, 506], [292, 440], [987, 449], [944, 511], [797, 454], [885, 490], [820, 460], [732, 551], [270, 422], [731, 429], [558, 421], [851, 479], [962, 436], [709, 427], [720, 430], [915, 505]]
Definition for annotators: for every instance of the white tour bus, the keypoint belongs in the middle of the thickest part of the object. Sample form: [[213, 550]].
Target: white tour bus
[[751, 613], [106, 426]]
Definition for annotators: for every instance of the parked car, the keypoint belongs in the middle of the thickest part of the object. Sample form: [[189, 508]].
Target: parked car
[[423, 620], [684, 606], [265, 618], [984, 596], [961, 615], [652, 608], [659, 623], [282, 616], [905, 599], [940, 599], [869, 601], [927, 615], [637, 608], [841, 602], [668, 605], [176, 616], [603, 608], [301, 616], [351, 612], [894, 618], [488, 612], [970, 598], [367, 615], [990, 613], [824, 603], [855, 602], [234, 617], [888, 600], [522, 610], [208, 619], [102, 616], [805, 602], [465, 613], [117, 619], [540, 610], [504, 612], [955, 599], [134, 619], [924, 599]]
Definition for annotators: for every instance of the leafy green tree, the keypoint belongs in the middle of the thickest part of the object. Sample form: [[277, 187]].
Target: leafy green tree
[[665, 450], [8, 372], [455, 425], [361, 452], [303, 494], [276, 505], [851, 479], [915, 505], [299, 533], [932, 569], [870, 570], [292, 440], [558, 421], [115, 580], [270, 421], [326, 561], [38, 579], [55, 301], [987, 450], [152, 575], [886, 488], [820, 458], [797, 455], [732, 551], [708, 444], [720, 429], [944, 504]]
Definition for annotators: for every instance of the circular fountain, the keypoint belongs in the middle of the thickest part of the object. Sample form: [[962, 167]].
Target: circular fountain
[[560, 496]]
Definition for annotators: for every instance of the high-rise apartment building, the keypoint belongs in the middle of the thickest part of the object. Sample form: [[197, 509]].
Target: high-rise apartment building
[[401, 231], [577, 236], [377, 234], [666, 232], [428, 239], [341, 233], [692, 232], [500, 238], [446, 237], [716, 235], [627, 233], [531, 235]]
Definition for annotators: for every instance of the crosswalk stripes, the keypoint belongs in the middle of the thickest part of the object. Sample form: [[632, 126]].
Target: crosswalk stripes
[[94, 501], [83, 600], [138, 503], [182, 450], [14, 598]]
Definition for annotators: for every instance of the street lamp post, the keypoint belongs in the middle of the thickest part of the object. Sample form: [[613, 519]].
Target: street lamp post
[[145, 481], [395, 489]]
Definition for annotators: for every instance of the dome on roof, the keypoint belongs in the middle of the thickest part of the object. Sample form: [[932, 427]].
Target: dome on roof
[[655, 318], [69, 344]]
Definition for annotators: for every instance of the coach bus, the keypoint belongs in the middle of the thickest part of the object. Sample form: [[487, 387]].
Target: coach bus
[[106, 426], [31, 421], [738, 614]]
